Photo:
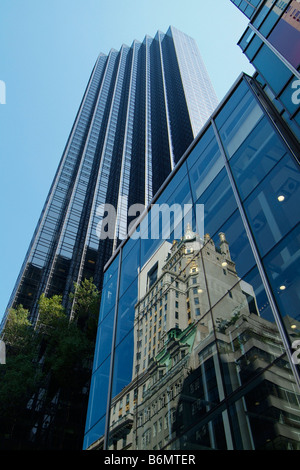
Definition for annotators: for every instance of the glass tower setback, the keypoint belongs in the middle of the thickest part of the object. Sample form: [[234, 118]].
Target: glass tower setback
[[248, 7], [142, 108], [271, 42]]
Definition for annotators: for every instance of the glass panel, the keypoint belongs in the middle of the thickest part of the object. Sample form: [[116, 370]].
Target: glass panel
[[253, 47], [246, 341], [129, 270], [205, 169], [173, 184], [219, 203], [131, 248], [266, 62], [108, 296], [290, 97], [111, 270], [256, 157], [98, 394], [282, 266], [104, 339], [237, 119], [267, 416], [236, 250], [122, 404], [123, 364], [201, 146], [94, 434], [148, 247], [286, 34], [272, 209], [126, 311]]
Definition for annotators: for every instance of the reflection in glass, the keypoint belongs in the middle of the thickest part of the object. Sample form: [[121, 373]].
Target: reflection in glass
[[273, 208], [206, 168], [282, 266], [198, 338], [199, 362], [108, 296], [98, 394], [219, 203], [256, 157], [237, 119], [126, 311], [104, 339]]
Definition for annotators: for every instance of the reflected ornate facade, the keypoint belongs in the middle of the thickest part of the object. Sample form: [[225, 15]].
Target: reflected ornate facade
[[174, 357]]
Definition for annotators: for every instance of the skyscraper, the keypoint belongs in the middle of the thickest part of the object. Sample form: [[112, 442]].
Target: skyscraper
[[142, 108]]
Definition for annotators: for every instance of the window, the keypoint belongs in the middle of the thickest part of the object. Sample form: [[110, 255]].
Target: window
[[152, 275]]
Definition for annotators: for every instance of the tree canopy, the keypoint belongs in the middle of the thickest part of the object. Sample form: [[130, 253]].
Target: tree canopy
[[55, 355]]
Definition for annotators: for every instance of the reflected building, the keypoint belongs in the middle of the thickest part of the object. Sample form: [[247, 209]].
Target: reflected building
[[176, 382]]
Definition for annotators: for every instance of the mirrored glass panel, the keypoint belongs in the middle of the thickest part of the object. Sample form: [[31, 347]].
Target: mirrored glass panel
[[272, 208]]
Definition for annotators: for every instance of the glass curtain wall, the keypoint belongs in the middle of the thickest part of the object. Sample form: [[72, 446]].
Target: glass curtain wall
[[196, 332], [271, 42]]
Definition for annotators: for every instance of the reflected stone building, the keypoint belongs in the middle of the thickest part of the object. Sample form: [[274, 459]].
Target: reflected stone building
[[176, 376]]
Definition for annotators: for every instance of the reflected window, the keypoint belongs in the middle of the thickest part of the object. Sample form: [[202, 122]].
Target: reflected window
[[283, 268], [152, 276], [273, 208], [237, 119], [256, 157]]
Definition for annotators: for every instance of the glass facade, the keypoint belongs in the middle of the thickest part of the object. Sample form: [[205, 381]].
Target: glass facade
[[196, 336], [248, 7], [137, 117], [271, 42]]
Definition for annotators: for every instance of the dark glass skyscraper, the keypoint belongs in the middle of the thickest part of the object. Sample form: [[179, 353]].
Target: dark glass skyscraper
[[142, 108]]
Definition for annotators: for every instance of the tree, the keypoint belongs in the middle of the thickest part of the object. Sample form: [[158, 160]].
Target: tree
[[49, 367], [86, 303], [18, 329], [51, 310], [21, 375]]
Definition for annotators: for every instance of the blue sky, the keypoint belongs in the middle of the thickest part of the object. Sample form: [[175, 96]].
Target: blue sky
[[47, 51]]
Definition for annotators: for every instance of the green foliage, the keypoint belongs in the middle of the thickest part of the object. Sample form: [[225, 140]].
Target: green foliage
[[20, 375], [20, 378], [51, 310], [67, 352], [86, 303], [18, 331], [67, 346], [56, 355]]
